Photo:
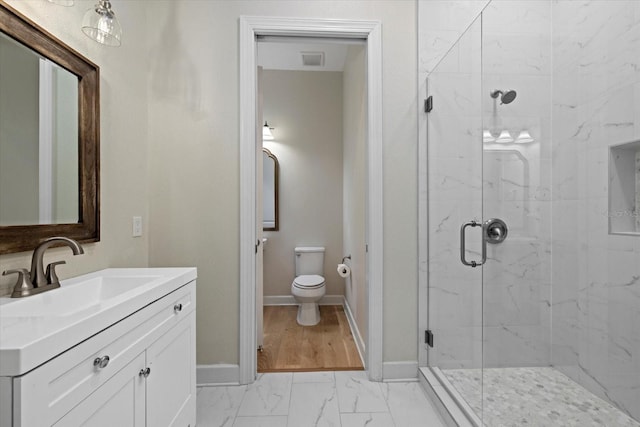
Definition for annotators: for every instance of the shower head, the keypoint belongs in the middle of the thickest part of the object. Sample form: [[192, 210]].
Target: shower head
[[505, 97]]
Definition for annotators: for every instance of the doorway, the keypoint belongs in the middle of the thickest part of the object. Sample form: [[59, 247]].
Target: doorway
[[250, 29], [312, 100]]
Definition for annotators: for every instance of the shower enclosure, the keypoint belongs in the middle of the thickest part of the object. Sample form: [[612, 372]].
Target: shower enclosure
[[533, 204]]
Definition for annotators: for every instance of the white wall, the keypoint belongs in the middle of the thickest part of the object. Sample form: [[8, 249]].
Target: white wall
[[194, 156], [354, 173], [123, 149], [305, 110]]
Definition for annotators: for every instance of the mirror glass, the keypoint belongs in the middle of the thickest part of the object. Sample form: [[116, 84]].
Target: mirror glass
[[270, 172], [39, 172], [49, 138]]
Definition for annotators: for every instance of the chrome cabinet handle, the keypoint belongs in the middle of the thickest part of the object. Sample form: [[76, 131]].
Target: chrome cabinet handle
[[463, 249], [144, 372], [177, 308], [101, 362]]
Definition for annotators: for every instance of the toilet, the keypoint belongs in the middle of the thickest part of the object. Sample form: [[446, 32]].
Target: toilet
[[308, 287]]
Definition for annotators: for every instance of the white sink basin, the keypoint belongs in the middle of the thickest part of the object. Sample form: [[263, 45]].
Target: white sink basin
[[37, 328], [68, 300]]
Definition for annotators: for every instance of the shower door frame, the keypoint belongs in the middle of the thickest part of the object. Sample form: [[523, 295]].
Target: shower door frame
[[450, 403]]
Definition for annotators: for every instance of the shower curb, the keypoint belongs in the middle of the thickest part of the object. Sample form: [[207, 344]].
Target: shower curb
[[452, 411]]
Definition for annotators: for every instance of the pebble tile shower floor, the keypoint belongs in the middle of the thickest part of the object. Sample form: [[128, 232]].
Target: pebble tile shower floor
[[540, 397]]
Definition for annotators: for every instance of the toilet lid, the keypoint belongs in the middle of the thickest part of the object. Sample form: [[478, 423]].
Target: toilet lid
[[310, 281]]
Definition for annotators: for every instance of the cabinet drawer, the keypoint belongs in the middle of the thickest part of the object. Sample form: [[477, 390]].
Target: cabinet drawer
[[54, 388]]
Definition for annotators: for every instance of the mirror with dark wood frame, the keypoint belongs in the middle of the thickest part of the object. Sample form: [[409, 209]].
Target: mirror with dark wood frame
[[36, 202], [270, 183]]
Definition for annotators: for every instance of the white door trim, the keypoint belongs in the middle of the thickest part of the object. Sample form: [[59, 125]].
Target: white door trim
[[250, 28]]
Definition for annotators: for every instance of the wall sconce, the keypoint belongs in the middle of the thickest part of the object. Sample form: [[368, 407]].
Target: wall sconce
[[100, 24], [504, 137], [266, 133], [487, 137], [524, 137]]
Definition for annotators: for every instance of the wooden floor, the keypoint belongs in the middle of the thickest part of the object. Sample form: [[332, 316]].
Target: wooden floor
[[289, 347]]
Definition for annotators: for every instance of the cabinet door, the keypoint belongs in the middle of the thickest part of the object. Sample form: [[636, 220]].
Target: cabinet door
[[171, 390], [118, 402]]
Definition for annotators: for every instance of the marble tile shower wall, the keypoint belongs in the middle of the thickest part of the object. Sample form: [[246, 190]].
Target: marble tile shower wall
[[517, 276], [596, 276]]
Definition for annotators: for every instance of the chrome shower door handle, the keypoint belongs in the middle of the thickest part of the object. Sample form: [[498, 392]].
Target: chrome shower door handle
[[463, 244]]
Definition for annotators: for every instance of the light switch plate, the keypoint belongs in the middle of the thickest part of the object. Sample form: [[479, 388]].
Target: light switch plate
[[137, 226]]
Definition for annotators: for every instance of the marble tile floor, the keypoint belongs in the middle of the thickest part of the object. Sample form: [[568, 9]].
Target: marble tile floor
[[300, 399], [541, 396]]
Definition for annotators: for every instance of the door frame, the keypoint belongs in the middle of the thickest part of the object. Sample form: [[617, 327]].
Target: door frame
[[250, 28]]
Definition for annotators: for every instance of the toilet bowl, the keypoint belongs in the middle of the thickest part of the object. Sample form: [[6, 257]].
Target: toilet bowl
[[308, 290]]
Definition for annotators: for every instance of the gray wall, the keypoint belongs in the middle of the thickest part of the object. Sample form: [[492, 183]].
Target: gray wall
[[169, 128], [305, 110], [123, 131], [194, 163]]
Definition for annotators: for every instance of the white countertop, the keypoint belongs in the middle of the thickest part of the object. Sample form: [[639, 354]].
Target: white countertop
[[37, 328]]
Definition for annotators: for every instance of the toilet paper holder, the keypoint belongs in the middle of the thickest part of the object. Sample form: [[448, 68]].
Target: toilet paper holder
[[345, 257]]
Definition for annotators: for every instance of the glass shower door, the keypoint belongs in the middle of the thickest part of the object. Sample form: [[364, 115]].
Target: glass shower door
[[455, 198]]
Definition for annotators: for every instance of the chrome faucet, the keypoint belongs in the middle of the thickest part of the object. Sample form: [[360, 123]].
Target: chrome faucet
[[37, 280]]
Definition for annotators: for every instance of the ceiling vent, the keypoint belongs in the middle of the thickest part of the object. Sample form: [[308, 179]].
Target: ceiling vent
[[312, 59]]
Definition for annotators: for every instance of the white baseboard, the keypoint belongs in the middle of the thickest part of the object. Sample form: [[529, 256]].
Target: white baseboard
[[400, 371], [222, 374], [355, 331], [290, 300]]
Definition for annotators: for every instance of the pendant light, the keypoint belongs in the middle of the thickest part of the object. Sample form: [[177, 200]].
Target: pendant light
[[100, 24]]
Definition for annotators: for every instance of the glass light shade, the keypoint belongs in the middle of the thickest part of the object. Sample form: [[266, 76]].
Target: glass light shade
[[504, 137], [62, 2], [524, 137], [266, 133], [100, 24], [487, 137]]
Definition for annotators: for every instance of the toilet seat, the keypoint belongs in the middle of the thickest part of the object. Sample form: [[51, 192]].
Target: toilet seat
[[308, 281]]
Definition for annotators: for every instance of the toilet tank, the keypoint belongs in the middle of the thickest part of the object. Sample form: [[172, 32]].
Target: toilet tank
[[309, 260]]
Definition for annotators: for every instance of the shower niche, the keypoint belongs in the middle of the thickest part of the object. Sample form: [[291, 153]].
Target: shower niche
[[624, 188]]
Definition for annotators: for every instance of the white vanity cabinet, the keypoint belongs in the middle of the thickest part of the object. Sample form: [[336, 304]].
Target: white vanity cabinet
[[140, 371]]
